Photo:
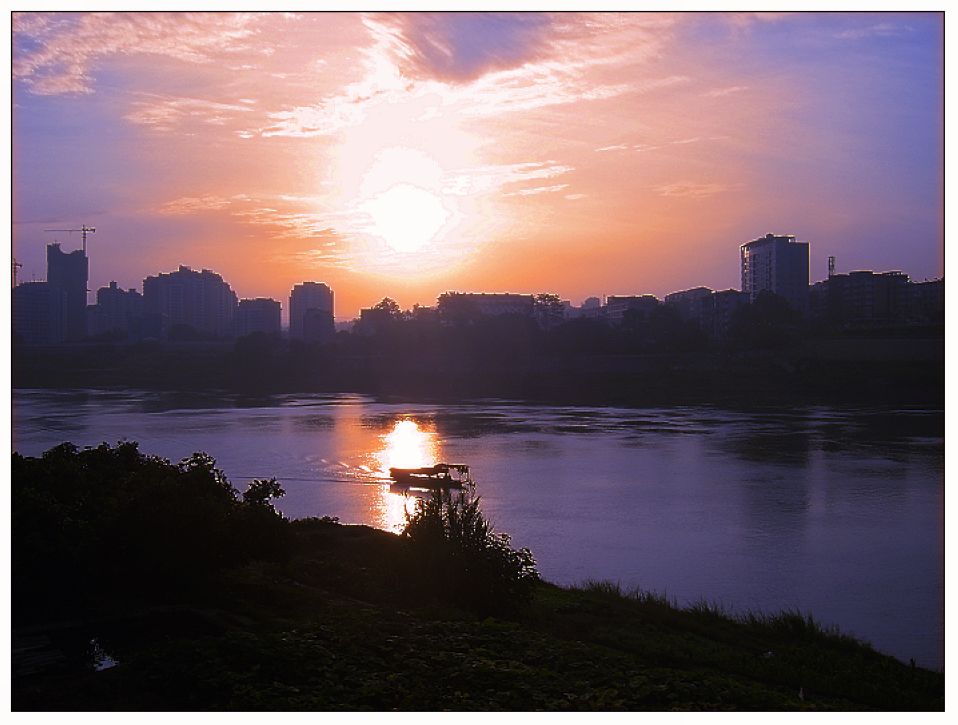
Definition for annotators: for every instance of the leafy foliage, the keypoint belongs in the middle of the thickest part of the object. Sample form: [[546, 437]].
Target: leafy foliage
[[88, 522], [461, 557]]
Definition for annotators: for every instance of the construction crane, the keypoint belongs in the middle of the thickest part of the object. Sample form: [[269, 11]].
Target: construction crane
[[16, 265], [84, 230]]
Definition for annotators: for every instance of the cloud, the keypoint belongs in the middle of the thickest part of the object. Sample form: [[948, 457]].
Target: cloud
[[690, 189], [616, 147], [538, 190], [461, 47], [53, 53], [745, 20], [727, 91], [446, 60], [485, 179], [193, 205], [325, 119], [879, 30], [164, 113]]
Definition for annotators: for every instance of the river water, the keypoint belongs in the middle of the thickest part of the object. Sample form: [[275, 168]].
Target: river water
[[834, 512]]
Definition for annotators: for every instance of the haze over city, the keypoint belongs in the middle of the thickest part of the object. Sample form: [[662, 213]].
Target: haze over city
[[412, 154]]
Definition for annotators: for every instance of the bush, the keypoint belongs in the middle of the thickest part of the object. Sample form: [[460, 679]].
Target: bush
[[459, 557], [105, 520]]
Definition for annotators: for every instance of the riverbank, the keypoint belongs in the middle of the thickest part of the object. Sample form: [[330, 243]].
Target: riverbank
[[815, 372], [329, 629]]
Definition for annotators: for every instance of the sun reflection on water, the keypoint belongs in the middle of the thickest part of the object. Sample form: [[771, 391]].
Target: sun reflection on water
[[407, 445]]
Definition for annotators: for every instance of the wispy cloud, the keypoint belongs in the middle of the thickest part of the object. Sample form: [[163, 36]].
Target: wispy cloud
[[878, 30], [165, 113], [616, 147], [413, 57], [193, 205], [484, 179], [746, 20], [461, 47], [727, 91], [538, 190], [53, 53], [690, 189]]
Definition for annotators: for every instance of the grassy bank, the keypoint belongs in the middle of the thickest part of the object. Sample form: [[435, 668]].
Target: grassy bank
[[329, 631], [146, 613]]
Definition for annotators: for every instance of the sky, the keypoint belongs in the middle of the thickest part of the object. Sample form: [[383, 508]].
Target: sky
[[408, 154]]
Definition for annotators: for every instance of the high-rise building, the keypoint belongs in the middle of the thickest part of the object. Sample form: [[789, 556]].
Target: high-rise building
[[779, 264], [258, 315], [69, 272], [39, 313], [311, 312], [201, 302]]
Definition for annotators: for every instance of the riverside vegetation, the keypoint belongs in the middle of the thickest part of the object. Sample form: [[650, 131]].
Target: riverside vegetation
[[140, 584]]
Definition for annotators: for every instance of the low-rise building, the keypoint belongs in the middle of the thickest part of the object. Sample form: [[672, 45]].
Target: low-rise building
[[642, 306], [461, 306], [261, 314], [116, 312]]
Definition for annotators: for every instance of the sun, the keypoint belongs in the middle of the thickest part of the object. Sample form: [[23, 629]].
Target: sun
[[406, 216]]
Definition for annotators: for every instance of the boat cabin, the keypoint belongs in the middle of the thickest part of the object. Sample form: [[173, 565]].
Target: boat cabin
[[442, 475]]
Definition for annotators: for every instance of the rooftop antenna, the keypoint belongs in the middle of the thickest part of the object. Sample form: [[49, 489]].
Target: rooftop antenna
[[16, 265], [84, 230], [831, 266]]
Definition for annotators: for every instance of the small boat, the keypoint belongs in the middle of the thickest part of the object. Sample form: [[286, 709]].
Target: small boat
[[438, 476]]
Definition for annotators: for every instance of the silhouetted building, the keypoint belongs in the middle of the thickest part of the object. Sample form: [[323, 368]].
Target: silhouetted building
[[372, 320], [591, 309], [311, 312], [69, 272], [460, 307], [490, 304], [421, 313], [860, 299], [865, 299], [188, 302], [116, 312], [724, 305], [926, 301], [693, 305], [711, 311], [39, 314], [779, 264], [257, 315], [641, 307]]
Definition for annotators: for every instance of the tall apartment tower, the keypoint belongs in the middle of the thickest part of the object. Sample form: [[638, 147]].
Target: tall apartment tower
[[69, 273], [776, 263], [311, 312], [200, 300]]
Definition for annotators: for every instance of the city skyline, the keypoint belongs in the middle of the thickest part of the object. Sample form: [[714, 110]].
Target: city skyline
[[418, 153]]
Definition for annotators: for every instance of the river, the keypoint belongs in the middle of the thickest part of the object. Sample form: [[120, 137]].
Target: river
[[834, 512]]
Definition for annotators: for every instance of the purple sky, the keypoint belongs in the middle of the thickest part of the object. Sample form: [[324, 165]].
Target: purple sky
[[409, 154]]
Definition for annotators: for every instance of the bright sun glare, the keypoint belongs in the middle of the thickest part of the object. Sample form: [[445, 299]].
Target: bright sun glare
[[407, 446], [406, 216]]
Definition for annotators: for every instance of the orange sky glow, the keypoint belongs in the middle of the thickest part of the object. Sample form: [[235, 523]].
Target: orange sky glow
[[404, 155]]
